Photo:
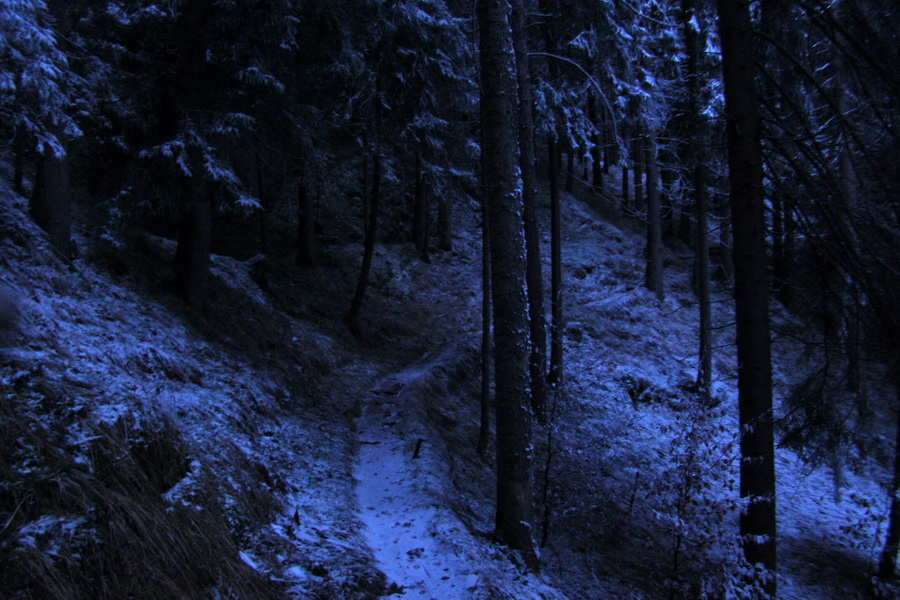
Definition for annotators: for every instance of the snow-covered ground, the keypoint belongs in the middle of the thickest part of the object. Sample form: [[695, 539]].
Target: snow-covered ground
[[335, 468]]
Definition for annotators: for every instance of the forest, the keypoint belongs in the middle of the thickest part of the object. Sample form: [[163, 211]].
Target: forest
[[488, 299]]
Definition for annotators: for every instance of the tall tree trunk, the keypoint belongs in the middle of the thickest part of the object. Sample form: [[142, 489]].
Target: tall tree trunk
[[420, 212], [555, 375], [368, 250], [364, 190], [537, 360], [554, 157], [596, 164], [51, 204], [192, 257], [306, 228], [609, 153], [637, 168], [696, 162], [444, 224], [654, 273], [751, 289], [704, 371], [781, 91], [673, 219], [261, 213], [515, 485], [626, 200], [484, 431]]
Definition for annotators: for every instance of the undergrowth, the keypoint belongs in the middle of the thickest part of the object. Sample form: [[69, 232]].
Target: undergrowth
[[84, 513]]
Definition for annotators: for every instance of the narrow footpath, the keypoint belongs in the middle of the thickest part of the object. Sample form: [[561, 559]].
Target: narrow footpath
[[401, 519]]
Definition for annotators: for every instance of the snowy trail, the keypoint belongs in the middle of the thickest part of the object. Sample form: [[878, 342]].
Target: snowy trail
[[402, 522]]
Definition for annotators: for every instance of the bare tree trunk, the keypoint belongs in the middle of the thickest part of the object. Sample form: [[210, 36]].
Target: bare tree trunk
[[261, 213], [704, 374], [192, 257], [555, 375], [420, 212], [368, 250], [696, 161], [484, 431], [596, 164], [654, 273], [515, 480], [554, 157], [306, 228], [364, 190], [51, 204], [751, 290], [445, 224], [537, 360], [609, 155], [638, 170], [626, 200]]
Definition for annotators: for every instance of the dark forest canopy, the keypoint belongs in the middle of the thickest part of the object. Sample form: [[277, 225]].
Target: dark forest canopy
[[760, 138]]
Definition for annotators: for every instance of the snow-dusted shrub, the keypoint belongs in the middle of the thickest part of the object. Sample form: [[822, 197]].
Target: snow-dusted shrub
[[694, 499]]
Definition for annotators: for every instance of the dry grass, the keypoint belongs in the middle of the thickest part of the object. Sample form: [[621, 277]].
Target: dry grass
[[100, 530]]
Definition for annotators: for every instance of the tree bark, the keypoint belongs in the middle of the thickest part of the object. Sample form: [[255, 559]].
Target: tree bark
[[654, 272], [638, 171], [306, 228], [484, 431], [704, 371], [555, 375], [537, 360], [261, 213], [51, 204], [192, 257], [626, 200], [696, 163], [554, 157], [596, 156], [515, 485], [751, 290], [420, 212], [445, 224], [609, 153], [368, 250]]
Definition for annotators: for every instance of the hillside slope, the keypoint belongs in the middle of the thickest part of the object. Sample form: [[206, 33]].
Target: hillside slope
[[255, 450]]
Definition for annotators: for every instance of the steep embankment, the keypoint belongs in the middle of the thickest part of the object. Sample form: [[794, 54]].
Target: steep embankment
[[256, 450], [155, 452]]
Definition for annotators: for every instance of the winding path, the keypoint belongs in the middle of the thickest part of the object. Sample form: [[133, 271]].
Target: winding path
[[401, 519]]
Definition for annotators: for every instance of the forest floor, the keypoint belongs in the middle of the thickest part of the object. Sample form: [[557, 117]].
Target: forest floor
[[344, 468]]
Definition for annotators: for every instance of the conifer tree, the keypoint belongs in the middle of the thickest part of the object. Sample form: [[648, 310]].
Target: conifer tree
[[503, 198], [751, 291]]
